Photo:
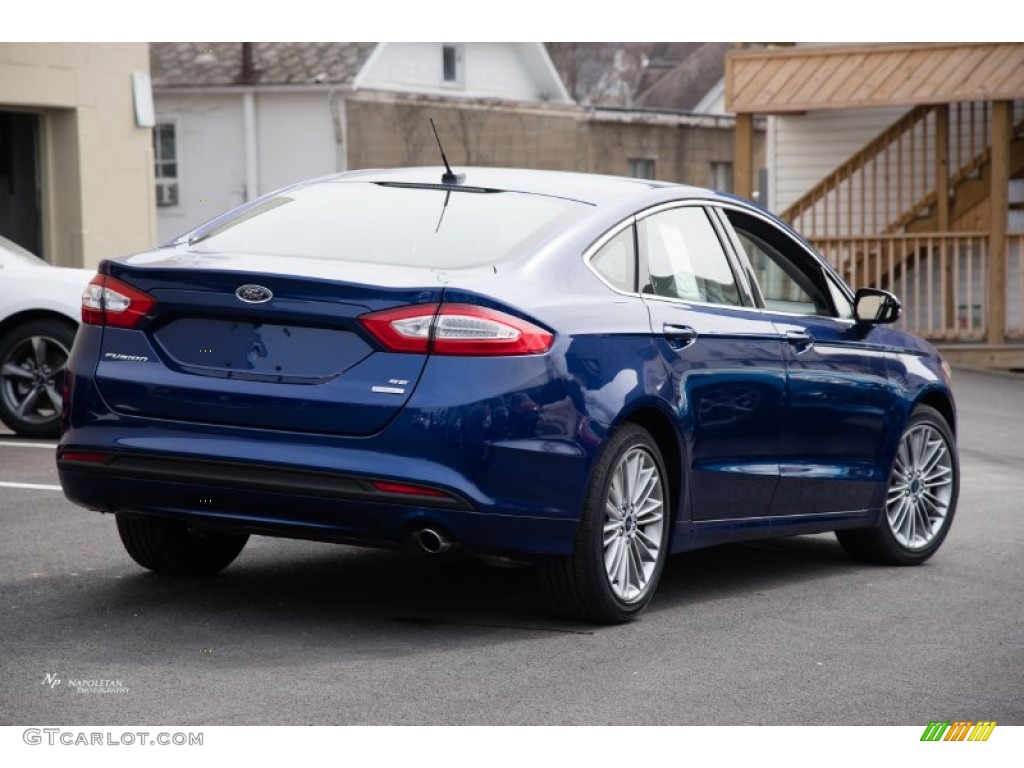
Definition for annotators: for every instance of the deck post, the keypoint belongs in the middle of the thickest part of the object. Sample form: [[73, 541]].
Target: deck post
[[743, 162], [1002, 129], [942, 210]]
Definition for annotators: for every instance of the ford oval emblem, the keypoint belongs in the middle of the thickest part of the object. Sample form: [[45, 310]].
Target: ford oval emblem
[[254, 294]]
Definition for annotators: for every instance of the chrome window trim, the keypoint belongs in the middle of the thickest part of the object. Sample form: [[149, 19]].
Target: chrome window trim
[[798, 241], [635, 218], [601, 242]]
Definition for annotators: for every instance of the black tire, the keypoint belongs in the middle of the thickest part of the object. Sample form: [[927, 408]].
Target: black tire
[[171, 547], [580, 585], [887, 544], [30, 400]]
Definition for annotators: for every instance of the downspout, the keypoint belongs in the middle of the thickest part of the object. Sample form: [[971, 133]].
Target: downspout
[[252, 168], [339, 117]]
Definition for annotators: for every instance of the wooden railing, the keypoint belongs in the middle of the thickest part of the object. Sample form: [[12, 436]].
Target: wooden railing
[[939, 277], [881, 171], [895, 178]]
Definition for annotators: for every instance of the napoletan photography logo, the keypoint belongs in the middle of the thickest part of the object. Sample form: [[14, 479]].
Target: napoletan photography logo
[[958, 730], [89, 685]]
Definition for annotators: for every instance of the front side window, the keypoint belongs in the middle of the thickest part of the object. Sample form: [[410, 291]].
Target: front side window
[[165, 153], [781, 292], [685, 258], [788, 277]]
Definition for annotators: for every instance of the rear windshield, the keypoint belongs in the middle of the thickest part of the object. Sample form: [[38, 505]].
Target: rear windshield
[[390, 224]]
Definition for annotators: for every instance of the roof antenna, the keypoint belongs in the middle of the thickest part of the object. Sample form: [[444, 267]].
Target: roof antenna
[[449, 177]]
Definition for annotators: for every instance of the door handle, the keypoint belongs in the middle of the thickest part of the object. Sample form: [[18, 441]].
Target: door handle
[[801, 341], [679, 335]]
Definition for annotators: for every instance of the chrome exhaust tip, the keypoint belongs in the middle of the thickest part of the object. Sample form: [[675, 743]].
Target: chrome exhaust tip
[[433, 542]]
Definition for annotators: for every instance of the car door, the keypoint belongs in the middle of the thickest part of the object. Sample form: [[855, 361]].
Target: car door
[[724, 359], [839, 406]]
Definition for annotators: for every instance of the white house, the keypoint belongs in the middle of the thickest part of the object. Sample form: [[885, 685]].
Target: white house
[[236, 120]]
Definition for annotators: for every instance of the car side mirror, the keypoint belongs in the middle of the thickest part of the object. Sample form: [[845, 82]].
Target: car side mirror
[[874, 307]]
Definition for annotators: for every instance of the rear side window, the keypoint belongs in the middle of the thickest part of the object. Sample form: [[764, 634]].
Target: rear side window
[[685, 258], [616, 261], [396, 225]]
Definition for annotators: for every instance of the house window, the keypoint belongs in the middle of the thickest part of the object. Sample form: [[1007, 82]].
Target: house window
[[451, 64], [641, 167], [721, 176], [165, 152]]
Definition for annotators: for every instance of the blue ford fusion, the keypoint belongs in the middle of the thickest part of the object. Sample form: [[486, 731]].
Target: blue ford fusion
[[581, 372]]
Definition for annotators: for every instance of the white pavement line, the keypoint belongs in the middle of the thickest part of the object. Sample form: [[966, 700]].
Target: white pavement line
[[15, 444], [30, 486]]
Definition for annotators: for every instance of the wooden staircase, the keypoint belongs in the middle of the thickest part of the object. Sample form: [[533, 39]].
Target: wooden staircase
[[969, 189], [877, 217], [890, 185]]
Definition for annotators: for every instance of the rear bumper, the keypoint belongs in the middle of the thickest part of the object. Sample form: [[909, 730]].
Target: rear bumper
[[227, 476], [294, 513]]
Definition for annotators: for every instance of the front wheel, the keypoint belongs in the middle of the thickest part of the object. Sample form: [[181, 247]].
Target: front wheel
[[921, 498], [171, 547], [622, 540]]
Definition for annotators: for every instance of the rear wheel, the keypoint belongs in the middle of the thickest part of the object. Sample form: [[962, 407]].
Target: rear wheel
[[622, 540], [33, 358], [171, 547], [921, 498]]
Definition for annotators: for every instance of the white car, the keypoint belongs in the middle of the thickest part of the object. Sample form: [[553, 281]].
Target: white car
[[40, 307]]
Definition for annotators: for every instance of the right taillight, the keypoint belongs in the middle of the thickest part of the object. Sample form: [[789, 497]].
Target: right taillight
[[456, 329], [108, 301]]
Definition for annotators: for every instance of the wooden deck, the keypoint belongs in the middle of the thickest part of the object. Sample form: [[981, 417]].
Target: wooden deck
[[779, 81]]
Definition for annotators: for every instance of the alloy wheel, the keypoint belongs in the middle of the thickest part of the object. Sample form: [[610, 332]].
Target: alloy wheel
[[32, 378], [634, 516], [921, 487]]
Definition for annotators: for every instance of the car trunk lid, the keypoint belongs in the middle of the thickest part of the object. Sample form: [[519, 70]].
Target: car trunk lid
[[224, 345]]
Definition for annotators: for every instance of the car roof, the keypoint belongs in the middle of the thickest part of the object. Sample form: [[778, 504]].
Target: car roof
[[591, 188]]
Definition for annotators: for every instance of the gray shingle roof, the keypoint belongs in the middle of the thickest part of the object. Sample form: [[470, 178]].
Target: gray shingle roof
[[686, 83], [197, 64]]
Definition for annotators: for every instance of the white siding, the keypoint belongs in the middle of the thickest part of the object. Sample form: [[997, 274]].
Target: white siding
[[295, 141], [1016, 222], [295, 136], [1015, 285], [211, 159], [490, 70]]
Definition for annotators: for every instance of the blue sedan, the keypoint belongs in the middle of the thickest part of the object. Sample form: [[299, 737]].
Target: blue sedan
[[578, 372]]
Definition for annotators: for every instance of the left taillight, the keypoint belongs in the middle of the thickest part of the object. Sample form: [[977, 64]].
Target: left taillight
[[108, 301], [457, 330]]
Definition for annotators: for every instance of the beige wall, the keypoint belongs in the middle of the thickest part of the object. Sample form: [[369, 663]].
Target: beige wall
[[386, 133], [96, 165]]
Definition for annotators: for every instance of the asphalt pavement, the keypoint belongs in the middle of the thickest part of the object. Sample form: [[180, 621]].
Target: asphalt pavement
[[781, 632]]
